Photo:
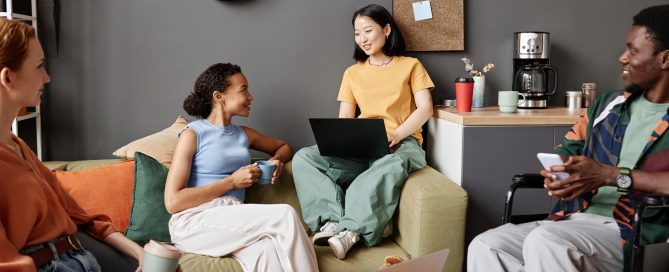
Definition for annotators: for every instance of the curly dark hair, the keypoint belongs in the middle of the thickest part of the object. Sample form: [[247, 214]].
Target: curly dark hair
[[656, 21], [215, 78], [395, 45]]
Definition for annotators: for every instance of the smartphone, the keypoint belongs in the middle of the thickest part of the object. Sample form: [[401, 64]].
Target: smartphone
[[548, 160]]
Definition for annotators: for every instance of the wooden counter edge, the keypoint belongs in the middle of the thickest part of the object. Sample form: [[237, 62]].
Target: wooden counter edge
[[491, 116]]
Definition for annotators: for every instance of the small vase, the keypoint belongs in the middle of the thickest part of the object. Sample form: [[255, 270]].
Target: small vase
[[479, 91]]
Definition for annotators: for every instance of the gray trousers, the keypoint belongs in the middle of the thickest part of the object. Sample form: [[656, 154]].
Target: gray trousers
[[583, 242]]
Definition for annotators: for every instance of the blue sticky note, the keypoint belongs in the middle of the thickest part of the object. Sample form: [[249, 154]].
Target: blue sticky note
[[422, 10]]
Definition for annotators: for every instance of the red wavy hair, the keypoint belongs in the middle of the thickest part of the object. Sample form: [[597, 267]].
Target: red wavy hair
[[14, 39]]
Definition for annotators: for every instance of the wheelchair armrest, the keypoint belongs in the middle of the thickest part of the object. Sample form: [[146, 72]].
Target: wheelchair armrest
[[655, 201], [528, 180], [648, 202]]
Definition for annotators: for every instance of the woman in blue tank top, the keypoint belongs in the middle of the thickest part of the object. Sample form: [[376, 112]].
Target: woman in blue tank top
[[209, 174]]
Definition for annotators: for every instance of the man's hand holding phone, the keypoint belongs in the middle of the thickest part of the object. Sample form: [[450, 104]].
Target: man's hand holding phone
[[581, 175], [549, 160]]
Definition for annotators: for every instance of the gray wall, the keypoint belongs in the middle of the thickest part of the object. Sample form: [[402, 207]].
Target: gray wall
[[124, 67]]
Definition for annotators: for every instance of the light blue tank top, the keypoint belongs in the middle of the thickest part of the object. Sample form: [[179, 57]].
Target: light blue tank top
[[221, 150]]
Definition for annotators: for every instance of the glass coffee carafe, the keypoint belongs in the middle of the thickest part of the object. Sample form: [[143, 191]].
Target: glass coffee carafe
[[532, 82]]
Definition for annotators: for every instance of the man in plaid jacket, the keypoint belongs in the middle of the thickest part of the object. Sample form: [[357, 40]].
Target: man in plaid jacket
[[615, 154]]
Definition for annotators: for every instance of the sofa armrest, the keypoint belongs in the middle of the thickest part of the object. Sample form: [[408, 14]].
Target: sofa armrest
[[431, 216]]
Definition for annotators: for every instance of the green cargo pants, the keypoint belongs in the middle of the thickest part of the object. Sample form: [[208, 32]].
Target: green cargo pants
[[360, 194]]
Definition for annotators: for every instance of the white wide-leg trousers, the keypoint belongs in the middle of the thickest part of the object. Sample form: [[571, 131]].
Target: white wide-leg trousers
[[260, 237]]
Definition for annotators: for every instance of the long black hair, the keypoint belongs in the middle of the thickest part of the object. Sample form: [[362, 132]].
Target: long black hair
[[215, 78], [395, 45]]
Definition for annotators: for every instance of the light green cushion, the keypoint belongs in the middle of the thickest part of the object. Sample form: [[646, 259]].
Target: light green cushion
[[148, 216], [88, 164], [56, 165], [194, 262], [79, 165], [360, 258]]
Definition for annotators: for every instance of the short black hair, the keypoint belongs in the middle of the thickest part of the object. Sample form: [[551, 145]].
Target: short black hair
[[215, 78], [656, 21], [395, 45]]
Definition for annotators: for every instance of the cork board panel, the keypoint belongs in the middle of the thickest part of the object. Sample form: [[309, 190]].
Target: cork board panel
[[444, 32]]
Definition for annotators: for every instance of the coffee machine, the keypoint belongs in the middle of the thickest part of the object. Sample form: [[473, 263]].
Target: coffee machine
[[532, 69]]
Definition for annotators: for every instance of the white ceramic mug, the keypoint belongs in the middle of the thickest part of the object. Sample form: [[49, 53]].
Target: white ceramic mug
[[508, 101]]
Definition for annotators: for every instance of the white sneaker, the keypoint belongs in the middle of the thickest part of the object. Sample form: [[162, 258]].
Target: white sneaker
[[327, 231], [343, 242]]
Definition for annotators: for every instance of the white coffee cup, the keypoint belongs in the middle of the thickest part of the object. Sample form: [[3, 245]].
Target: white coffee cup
[[508, 101], [160, 257]]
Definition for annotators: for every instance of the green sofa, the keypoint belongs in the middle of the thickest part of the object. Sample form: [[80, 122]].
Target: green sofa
[[430, 217]]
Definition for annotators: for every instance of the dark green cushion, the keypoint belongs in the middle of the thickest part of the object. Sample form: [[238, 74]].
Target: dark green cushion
[[148, 217]]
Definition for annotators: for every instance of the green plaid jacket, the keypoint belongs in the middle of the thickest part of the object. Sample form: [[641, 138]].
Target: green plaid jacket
[[598, 134]]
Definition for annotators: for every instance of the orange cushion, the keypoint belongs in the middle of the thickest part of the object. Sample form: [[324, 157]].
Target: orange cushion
[[103, 190]]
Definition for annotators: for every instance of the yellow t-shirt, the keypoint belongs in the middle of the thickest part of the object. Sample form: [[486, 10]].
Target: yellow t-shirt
[[385, 91]]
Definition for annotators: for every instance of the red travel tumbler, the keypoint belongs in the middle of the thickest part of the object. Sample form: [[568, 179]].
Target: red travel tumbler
[[464, 88]]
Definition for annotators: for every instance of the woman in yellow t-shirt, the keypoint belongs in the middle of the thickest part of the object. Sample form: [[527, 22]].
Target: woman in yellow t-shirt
[[351, 199]]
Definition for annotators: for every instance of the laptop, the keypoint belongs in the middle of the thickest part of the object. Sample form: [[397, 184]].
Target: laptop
[[350, 137], [433, 262]]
